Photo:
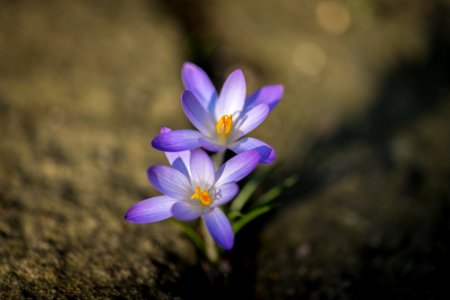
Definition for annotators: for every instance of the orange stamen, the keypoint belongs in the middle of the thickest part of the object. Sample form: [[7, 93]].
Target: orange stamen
[[224, 126], [204, 196]]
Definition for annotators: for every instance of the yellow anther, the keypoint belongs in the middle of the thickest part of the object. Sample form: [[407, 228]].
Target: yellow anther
[[204, 196], [197, 193], [224, 126]]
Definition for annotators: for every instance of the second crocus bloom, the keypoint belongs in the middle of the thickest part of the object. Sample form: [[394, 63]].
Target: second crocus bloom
[[192, 188], [221, 120]]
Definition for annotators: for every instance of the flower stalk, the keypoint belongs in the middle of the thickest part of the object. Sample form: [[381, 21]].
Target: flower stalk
[[210, 245]]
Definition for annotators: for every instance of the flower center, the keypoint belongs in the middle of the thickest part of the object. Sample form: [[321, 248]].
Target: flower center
[[204, 196], [224, 126]]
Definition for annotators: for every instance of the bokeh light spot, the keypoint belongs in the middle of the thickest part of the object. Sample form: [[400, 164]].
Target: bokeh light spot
[[310, 58], [333, 16]]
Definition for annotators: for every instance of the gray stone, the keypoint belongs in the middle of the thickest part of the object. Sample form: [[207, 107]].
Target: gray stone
[[84, 87]]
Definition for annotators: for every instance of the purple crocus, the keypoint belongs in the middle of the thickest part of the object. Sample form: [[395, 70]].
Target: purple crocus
[[221, 120], [192, 188]]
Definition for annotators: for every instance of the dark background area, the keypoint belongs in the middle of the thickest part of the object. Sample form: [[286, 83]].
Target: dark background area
[[364, 125]]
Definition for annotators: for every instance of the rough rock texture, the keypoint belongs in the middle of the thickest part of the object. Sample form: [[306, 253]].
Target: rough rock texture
[[376, 229], [369, 217], [83, 87]]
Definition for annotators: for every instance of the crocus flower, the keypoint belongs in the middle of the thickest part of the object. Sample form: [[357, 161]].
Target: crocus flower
[[192, 188], [221, 120]]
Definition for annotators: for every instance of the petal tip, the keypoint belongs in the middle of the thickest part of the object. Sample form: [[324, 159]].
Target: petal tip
[[126, 217], [185, 94], [150, 171], [238, 74], [225, 243], [228, 246], [267, 154], [165, 129], [279, 91], [279, 87], [188, 64], [130, 215], [238, 71], [187, 68], [155, 143]]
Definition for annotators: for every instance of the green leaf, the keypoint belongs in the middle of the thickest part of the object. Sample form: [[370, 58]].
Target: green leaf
[[192, 234], [250, 216], [234, 215], [276, 191], [248, 189]]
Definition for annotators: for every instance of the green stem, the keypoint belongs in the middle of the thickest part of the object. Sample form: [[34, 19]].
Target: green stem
[[210, 246], [219, 158]]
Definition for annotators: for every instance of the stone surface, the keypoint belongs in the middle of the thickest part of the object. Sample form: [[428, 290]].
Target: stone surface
[[374, 230], [83, 87], [369, 217]]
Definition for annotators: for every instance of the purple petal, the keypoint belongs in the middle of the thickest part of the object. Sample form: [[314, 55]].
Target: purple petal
[[169, 181], [220, 228], [202, 169], [165, 129], [270, 95], [197, 114], [178, 160], [171, 156], [151, 210], [177, 140], [226, 193], [187, 210], [237, 167], [198, 82], [211, 146], [267, 153], [250, 120], [232, 96]]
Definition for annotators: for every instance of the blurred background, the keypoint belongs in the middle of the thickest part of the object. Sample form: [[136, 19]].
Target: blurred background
[[364, 125]]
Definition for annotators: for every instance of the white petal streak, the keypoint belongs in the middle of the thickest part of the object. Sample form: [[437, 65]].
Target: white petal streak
[[202, 169], [232, 96]]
